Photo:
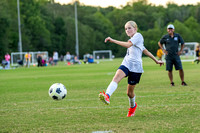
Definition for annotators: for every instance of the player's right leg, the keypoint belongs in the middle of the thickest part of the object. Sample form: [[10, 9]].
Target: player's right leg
[[105, 97]]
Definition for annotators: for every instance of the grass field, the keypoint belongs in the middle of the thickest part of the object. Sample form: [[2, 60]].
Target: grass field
[[27, 107]]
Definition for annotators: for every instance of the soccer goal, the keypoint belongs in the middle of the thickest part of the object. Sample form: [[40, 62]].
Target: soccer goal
[[189, 53], [103, 55], [17, 57]]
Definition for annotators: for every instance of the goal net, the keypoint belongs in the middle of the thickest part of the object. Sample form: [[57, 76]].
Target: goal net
[[102, 55], [189, 53], [17, 57]]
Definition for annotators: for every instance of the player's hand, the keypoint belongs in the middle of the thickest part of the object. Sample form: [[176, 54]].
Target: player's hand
[[160, 62], [108, 39]]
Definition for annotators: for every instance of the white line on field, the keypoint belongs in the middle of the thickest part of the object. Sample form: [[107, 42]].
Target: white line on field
[[102, 132]]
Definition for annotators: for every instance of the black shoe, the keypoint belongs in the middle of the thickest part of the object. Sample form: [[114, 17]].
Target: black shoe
[[172, 84], [183, 84]]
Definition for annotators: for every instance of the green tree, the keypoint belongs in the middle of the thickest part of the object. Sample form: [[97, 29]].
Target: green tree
[[192, 23], [5, 22], [184, 31]]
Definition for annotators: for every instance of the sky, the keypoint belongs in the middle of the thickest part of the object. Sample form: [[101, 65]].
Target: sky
[[118, 3]]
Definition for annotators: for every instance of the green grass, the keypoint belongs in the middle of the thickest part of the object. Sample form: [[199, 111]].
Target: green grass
[[26, 107]]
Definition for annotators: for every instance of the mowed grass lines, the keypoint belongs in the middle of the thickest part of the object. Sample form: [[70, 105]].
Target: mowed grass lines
[[26, 106]]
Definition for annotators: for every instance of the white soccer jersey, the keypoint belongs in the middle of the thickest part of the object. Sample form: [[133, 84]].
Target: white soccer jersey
[[133, 58]]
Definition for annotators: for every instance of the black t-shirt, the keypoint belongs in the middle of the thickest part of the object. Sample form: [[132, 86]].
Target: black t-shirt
[[172, 43]]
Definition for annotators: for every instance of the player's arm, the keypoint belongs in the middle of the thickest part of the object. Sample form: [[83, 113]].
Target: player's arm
[[121, 43], [146, 52]]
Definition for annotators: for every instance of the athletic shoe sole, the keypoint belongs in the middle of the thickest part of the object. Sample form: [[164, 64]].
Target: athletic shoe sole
[[102, 98]]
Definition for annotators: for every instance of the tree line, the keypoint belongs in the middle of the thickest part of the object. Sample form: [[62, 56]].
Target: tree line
[[49, 26]]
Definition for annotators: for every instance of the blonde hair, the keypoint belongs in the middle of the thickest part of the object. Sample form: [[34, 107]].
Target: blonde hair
[[132, 23]]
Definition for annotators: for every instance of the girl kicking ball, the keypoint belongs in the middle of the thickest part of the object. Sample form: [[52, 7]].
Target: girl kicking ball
[[131, 66]]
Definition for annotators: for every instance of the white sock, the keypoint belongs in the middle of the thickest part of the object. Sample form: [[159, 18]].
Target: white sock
[[111, 88], [132, 102]]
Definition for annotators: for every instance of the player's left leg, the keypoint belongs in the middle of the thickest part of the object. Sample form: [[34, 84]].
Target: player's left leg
[[133, 79], [132, 103]]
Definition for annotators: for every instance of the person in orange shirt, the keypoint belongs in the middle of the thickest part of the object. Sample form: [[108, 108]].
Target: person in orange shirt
[[28, 59], [159, 53]]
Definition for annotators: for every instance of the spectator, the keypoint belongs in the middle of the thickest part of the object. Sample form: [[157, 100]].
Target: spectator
[[20, 62], [39, 60], [7, 58], [68, 58], [76, 60], [61, 58], [55, 58], [50, 61], [90, 59]]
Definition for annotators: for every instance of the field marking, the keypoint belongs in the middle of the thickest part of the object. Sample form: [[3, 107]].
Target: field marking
[[101, 131]]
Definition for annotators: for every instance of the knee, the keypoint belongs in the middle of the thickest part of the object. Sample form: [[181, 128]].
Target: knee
[[116, 79]]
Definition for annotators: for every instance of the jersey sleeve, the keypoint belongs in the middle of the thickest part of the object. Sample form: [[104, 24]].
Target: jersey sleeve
[[162, 40], [138, 41]]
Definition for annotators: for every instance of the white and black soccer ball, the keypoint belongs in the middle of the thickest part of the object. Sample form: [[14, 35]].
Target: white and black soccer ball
[[57, 91]]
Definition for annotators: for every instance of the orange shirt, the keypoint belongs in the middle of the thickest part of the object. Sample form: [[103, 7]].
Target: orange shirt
[[160, 53], [28, 56]]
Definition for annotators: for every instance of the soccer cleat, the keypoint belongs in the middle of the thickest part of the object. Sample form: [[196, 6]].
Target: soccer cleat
[[104, 98], [172, 84], [183, 84], [131, 111]]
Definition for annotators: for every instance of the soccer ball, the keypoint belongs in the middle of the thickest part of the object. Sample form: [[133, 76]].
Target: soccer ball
[[57, 91]]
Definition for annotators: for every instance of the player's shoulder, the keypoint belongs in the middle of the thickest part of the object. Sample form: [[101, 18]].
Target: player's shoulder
[[138, 34]]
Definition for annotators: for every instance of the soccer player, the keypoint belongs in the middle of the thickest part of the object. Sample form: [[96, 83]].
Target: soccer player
[[159, 53], [131, 66], [197, 54], [28, 59]]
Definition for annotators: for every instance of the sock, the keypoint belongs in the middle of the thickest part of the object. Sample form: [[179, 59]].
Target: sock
[[111, 88], [132, 102]]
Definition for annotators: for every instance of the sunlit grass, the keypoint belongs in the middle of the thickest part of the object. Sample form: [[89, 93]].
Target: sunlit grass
[[26, 106]]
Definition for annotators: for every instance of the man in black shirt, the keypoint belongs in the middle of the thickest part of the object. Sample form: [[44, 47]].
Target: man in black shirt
[[172, 41]]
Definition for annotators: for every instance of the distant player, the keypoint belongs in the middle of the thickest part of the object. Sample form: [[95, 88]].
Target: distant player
[[28, 59], [131, 66], [197, 54], [159, 53]]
